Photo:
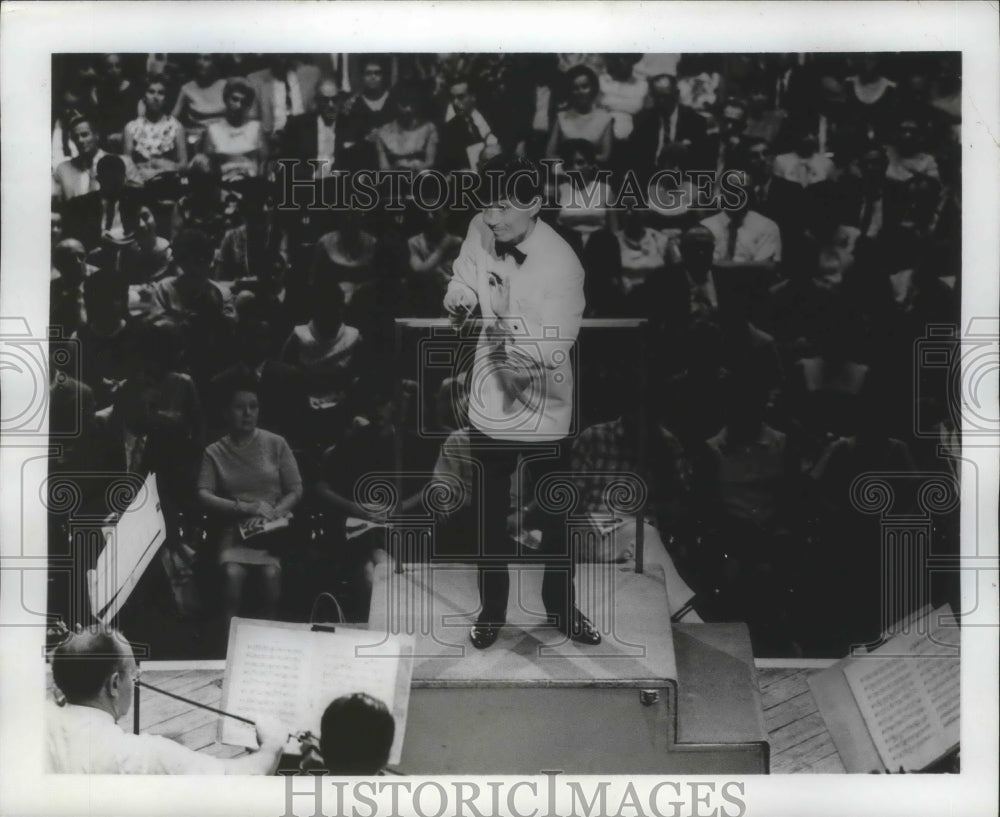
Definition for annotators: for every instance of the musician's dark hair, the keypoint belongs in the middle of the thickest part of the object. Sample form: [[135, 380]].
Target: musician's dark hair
[[356, 735], [511, 178], [79, 674]]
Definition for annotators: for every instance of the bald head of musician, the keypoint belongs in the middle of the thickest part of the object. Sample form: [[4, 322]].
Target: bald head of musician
[[356, 735], [96, 672], [97, 669]]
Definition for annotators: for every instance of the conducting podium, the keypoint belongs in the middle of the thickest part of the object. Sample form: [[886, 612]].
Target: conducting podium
[[650, 699]]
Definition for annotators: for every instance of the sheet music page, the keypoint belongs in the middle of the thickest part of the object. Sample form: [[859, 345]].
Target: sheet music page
[[292, 674], [910, 704], [268, 677], [357, 665], [127, 553]]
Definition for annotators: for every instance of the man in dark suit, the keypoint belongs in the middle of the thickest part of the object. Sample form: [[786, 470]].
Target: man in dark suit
[[668, 123], [315, 135], [466, 129], [102, 215]]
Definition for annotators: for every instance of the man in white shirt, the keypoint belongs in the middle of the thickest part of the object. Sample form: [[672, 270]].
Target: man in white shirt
[[528, 284], [283, 89], [741, 234], [78, 176], [96, 673]]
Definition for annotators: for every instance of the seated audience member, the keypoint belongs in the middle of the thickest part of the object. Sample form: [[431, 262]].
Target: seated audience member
[[148, 257], [732, 133], [202, 206], [368, 448], [824, 388], [366, 112], [907, 159], [97, 217], [116, 100], [155, 140], [798, 304], [67, 307], [582, 119], [283, 88], [643, 252], [804, 165], [133, 435], [317, 136], [326, 351], [190, 294], [674, 202], [741, 234], [698, 292], [696, 394], [699, 81], [606, 449], [623, 93], [95, 671], [280, 387], [249, 474], [860, 196], [584, 199], [431, 254], [236, 144], [465, 133], [666, 124], [106, 339], [78, 176], [408, 141], [872, 97], [356, 735], [256, 241], [200, 100], [345, 255], [748, 498], [745, 348], [159, 351], [70, 104]]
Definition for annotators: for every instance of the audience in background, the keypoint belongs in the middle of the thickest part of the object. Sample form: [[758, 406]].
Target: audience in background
[[787, 225]]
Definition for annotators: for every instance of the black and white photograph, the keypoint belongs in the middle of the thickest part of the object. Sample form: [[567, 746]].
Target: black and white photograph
[[432, 421]]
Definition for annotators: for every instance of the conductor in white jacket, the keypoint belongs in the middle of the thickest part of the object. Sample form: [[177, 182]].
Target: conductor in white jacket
[[528, 285]]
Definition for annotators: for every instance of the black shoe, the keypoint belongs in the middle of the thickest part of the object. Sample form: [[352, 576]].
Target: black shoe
[[581, 630], [483, 635]]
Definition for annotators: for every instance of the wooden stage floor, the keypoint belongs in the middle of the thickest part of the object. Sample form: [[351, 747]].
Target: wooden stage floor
[[800, 743]]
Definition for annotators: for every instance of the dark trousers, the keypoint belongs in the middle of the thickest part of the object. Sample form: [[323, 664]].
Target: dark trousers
[[497, 548]]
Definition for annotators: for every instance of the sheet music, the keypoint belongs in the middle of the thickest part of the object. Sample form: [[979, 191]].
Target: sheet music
[[910, 704], [292, 674], [129, 548]]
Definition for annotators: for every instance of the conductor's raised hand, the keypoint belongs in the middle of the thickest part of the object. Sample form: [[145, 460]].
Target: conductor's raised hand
[[459, 302]]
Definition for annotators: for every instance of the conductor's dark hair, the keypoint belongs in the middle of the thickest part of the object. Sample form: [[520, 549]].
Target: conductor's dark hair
[[82, 663], [506, 178], [356, 735]]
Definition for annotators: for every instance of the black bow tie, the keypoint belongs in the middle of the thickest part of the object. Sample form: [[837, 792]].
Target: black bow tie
[[512, 251]]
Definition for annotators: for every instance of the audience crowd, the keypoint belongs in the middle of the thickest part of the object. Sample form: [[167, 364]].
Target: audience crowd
[[245, 350]]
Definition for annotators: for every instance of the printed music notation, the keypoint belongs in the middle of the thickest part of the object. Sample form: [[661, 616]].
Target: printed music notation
[[292, 674], [909, 695]]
